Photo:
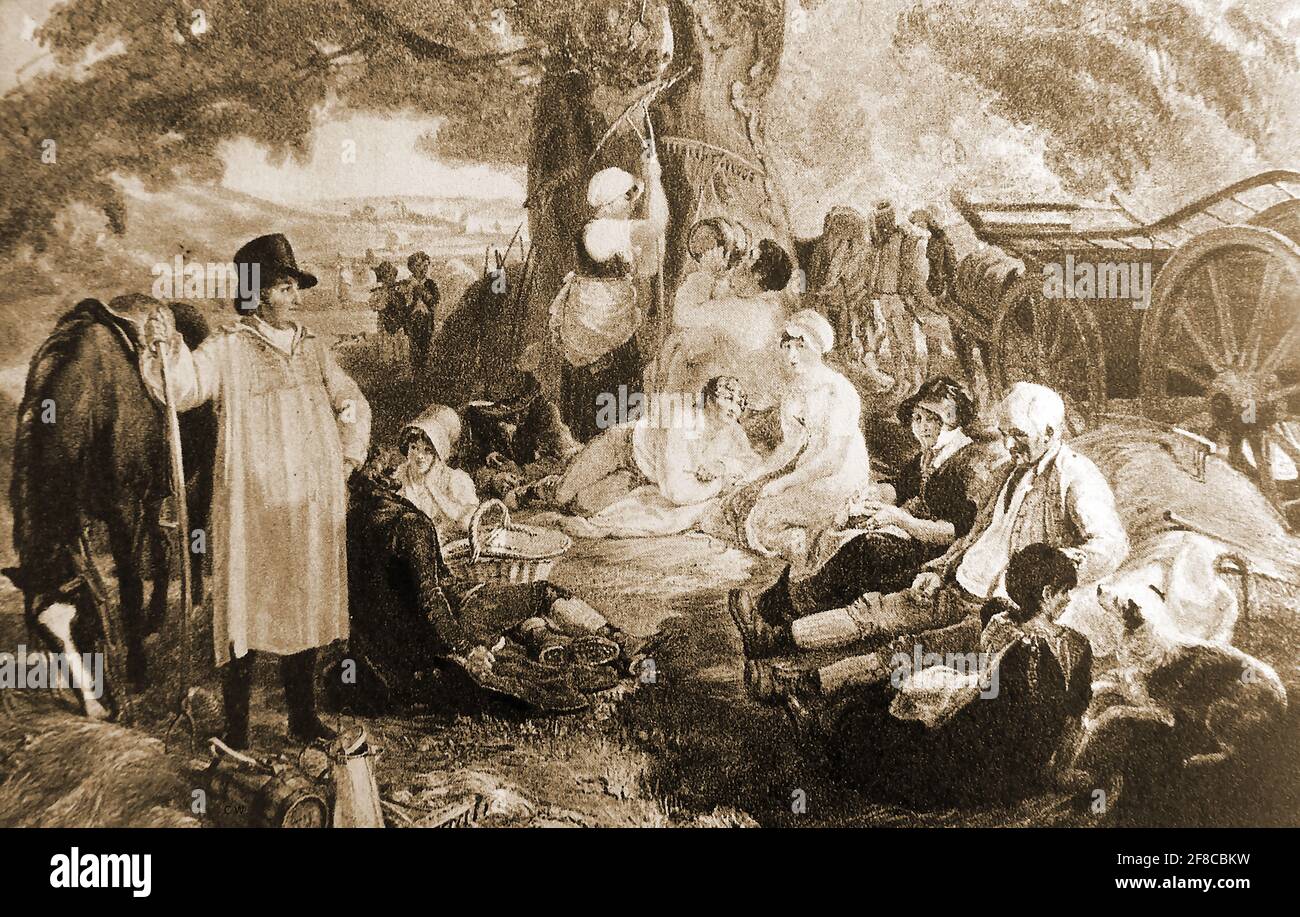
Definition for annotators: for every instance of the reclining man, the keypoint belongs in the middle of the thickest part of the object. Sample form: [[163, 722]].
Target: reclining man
[[408, 612], [977, 727], [512, 445], [1053, 496]]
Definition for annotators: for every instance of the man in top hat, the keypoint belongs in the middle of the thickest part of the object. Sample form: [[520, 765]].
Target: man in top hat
[[292, 427]]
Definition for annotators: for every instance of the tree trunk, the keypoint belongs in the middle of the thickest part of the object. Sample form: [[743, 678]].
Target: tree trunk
[[710, 141]]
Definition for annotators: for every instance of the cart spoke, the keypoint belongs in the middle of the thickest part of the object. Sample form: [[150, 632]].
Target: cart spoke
[[1284, 348], [1263, 308], [1285, 392], [1284, 441], [1227, 331], [1185, 319], [1057, 343], [1040, 312]]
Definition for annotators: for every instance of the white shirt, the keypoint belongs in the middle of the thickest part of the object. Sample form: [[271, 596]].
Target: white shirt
[[281, 338], [983, 568], [607, 238], [946, 446]]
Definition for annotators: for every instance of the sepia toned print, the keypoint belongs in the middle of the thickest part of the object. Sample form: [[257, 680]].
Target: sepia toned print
[[725, 413]]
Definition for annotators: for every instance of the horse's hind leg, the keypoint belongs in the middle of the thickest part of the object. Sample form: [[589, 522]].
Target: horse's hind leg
[[125, 546], [160, 568]]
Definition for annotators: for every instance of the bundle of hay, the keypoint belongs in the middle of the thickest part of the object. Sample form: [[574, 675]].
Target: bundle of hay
[[1150, 470], [61, 770]]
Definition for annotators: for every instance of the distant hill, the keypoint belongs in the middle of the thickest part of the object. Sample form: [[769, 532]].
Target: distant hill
[[209, 223]]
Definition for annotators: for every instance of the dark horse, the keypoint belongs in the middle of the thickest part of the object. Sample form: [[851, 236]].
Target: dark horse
[[91, 448]]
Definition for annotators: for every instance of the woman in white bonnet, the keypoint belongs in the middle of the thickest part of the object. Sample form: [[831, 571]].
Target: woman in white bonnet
[[822, 460], [595, 316], [444, 494]]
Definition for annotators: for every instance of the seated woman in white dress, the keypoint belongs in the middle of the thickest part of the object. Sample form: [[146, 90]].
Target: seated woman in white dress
[[797, 491], [660, 474], [445, 494]]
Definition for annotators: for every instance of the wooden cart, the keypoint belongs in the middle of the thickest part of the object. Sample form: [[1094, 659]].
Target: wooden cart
[[1215, 348]]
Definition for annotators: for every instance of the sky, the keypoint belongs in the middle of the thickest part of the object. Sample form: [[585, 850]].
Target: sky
[[367, 156], [901, 152]]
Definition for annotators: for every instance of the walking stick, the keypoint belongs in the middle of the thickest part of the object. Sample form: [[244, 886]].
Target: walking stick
[[659, 323], [182, 522]]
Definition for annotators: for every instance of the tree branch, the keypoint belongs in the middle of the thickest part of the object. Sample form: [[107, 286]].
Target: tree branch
[[427, 48]]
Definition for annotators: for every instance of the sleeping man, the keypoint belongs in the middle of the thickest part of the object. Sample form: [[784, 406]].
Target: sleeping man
[[662, 473]]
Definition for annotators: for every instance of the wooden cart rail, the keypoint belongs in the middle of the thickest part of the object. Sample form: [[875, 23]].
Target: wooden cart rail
[[1041, 229]]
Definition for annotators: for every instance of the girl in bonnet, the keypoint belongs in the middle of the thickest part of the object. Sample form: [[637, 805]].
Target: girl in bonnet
[[444, 494]]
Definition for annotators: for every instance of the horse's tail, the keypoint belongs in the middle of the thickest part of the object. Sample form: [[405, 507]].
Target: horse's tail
[[37, 416]]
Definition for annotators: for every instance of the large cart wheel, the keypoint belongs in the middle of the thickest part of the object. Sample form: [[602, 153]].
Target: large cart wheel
[[1221, 347], [1054, 342]]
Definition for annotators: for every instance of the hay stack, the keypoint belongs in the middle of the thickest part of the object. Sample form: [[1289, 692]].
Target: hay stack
[[1147, 469], [62, 770]]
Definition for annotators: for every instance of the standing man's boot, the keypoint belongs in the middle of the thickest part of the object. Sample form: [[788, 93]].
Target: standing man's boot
[[236, 688], [299, 674]]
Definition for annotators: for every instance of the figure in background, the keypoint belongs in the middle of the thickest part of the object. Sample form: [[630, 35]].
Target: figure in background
[[897, 273], [941, 283], [389, 300], [292, 426], [935, 501], [343, 290], [422, 298], [661, 474], [796, 492], [596, 314]]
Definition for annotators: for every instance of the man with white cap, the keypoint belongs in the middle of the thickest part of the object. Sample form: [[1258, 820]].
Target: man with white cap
[[596, 315], [1053, 496]]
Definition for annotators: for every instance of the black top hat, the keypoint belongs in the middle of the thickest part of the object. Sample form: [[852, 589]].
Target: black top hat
[[274, 257]]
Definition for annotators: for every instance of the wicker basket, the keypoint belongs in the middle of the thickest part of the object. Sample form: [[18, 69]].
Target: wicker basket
[[504, 551]]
